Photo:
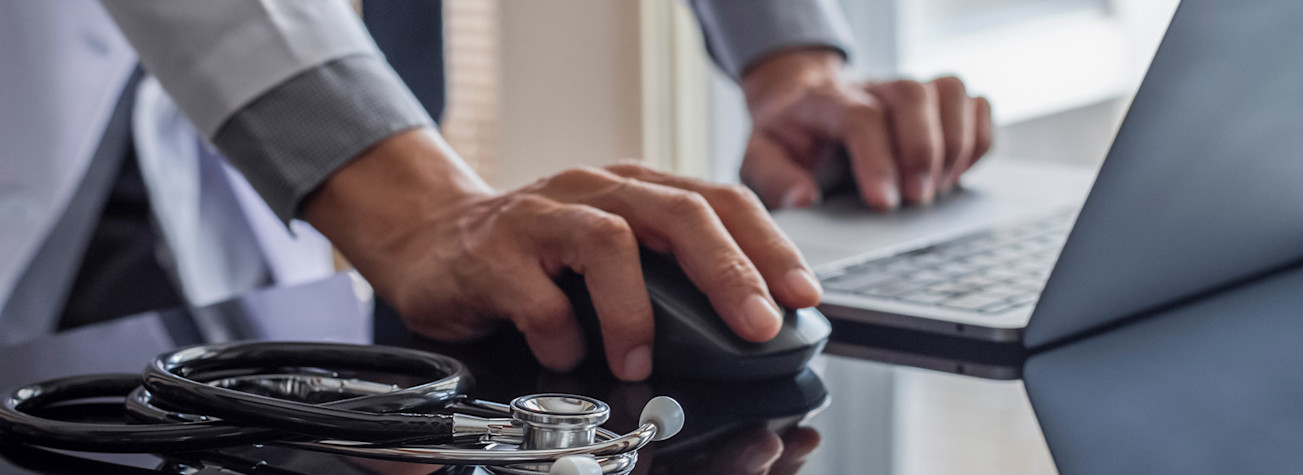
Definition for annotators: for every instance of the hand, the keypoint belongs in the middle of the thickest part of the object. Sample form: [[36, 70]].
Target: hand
[[455, 257], [905, 139]]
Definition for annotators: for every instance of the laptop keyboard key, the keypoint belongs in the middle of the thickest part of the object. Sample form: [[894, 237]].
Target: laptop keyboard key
[[952, 287], [925, 297], [891, 289], [855, 282]]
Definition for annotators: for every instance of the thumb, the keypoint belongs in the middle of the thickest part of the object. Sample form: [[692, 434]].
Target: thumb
[[774, 174]]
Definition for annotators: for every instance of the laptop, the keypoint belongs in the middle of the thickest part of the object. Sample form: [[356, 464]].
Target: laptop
[[1202, 189]]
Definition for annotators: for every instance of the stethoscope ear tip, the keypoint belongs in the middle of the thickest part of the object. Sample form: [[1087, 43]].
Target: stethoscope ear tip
[[576, 465], [666, 413]]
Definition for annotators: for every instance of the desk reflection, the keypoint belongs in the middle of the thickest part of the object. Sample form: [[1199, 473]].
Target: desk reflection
[[1211, 387]]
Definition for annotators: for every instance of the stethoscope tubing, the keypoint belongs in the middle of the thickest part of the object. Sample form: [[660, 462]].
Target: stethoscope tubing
[[166, 378], [17, 411], [451, 381]]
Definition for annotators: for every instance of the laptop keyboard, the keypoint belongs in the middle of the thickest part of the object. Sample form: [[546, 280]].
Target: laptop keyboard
[[987, 272]]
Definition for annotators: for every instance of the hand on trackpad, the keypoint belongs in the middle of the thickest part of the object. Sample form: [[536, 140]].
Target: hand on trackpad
[[837, 185]]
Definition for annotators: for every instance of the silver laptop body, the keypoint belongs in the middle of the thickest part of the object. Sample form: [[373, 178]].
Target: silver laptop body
[[1202, 189]]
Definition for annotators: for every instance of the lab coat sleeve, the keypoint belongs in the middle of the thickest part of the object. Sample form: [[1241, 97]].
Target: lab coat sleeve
[[288, 90], [739, 32], [289, 140]]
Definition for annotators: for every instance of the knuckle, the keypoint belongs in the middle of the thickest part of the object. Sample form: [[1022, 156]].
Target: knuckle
[[738, 197], [909, 92], [629, 168], [868, 114], [527, 204], [950, 85], [579, 176], [921, 153], [689, 204], [738, 272], [606, 230]]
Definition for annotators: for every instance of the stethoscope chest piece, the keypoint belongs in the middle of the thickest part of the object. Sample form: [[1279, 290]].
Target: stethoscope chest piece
[[558, 421]]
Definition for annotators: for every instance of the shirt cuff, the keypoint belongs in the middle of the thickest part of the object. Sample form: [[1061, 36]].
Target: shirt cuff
[[289, 140], [739, 32]]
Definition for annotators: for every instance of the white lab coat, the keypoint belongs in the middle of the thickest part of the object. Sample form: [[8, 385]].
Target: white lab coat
[[62, 66]]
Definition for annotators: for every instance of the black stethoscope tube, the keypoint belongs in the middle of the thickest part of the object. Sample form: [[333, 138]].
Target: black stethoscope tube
[[167, 379], [16, 412], [180, 375]]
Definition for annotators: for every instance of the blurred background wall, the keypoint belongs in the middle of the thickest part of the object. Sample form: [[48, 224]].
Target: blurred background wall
[[537, 87]]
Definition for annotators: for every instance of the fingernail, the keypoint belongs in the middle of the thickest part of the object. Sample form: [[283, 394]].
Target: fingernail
[[925, 186], [951, 182], [762, 315], [797, 198], [891, 194], [804, 284], [638, 363]]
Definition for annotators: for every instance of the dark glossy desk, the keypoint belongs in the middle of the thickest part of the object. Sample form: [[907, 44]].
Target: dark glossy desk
[[1213, 388]]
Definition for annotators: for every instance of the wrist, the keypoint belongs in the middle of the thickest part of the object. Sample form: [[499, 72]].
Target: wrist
[[791, 69], [368, 202]]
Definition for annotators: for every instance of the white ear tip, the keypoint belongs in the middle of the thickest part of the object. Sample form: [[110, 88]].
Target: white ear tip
[[576, 465], [666, 413]]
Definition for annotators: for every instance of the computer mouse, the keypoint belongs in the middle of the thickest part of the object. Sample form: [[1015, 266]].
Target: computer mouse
[[692, 341]]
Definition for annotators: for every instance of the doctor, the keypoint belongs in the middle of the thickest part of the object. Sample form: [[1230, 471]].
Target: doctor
[[295, 94]]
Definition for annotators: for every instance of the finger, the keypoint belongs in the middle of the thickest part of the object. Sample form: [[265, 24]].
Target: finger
[[984, 130], [602, 247], [779, 262], [958, 128], [773, 172], [532, 301], [859, 121], [798, 443], [916, 133], [700, 243]]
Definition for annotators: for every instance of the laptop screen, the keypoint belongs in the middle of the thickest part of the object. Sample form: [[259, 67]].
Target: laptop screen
[[1203, 187]]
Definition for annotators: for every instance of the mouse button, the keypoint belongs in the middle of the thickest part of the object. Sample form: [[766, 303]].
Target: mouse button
[[679, 325], [810, 325], [798, 330]]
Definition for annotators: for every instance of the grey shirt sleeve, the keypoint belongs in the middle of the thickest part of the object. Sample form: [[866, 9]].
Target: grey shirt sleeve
[[738, 32], [293, 137]]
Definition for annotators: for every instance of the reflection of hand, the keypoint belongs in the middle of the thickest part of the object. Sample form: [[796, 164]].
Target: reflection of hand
[[760, 451], [905, 139], [454, 256]]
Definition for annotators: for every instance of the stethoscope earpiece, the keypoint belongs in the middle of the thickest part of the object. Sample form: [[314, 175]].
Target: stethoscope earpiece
[[576, 465], [666, 414]]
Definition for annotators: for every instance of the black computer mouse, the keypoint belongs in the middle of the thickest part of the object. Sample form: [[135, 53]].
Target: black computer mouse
[[692, 341]]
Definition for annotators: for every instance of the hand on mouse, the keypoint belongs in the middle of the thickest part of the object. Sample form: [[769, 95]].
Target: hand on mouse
[[906, 139], [456, 257]]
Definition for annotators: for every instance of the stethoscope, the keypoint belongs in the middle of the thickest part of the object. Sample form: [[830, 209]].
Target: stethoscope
[[308, 396]]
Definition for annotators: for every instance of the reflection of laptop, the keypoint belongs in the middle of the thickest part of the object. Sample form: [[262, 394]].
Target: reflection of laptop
[[1203, 188]]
